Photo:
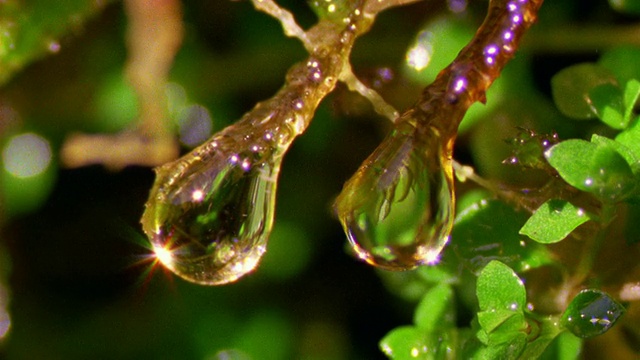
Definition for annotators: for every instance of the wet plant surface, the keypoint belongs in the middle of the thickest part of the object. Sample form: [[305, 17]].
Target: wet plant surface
[[516, 231]]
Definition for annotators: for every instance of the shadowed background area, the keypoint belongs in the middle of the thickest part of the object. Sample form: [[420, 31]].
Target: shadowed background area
[[77, 279]]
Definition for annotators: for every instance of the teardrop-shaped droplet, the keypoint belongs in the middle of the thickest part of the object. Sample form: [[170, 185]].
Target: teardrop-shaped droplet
[[591, 313], [397, 210], [210, 213]]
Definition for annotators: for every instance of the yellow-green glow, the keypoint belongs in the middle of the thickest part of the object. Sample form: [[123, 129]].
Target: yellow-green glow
[[26, 155]]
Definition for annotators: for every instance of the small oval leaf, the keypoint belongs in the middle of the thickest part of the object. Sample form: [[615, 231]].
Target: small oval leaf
[[595, 168], [570, 88], [553, 221], [500, 288]]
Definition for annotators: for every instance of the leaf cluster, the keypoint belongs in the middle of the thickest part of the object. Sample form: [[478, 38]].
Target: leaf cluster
[[592, 188]]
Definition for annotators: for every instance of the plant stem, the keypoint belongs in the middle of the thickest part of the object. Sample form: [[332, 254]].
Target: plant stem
[[592, 248]]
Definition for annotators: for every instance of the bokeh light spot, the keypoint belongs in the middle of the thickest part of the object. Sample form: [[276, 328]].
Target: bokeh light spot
[[195, 125], [26, 155]]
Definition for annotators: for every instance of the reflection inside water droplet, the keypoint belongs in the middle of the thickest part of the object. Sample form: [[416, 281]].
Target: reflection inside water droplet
[[397, 210], [210, 213], [591, 313]]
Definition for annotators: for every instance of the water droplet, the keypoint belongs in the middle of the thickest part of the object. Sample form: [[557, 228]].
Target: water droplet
[[591, 313], [397, 210], [210, 213]]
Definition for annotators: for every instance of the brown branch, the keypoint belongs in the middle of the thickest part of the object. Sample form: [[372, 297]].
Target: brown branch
[[153, 38]]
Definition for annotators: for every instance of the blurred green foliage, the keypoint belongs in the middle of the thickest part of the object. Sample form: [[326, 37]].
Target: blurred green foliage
[[82, 284]]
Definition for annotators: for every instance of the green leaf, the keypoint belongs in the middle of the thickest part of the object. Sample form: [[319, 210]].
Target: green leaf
[[403, 342], [571, 86], [434, 336], [553, 221], [591, 313], [630, 138], [593, 168], [487, 229], [500, 288], [436, 274], [492, 319], [631, 95], [565, 346], [623, 62], [628, 154], [606, 102], [505, 350], [30, 30], [408, 342], [548, 329], [435, 311], [511, 328], [630, 7]]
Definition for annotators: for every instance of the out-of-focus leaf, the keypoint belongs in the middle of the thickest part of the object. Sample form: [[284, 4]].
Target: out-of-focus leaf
[[631, 96], [435, 310], [631, 7], [571, 86], [30, 30], [267, 335], [627, 153], [289, 252], [629, 138], [622, 61], [565, 346], [606, 102]]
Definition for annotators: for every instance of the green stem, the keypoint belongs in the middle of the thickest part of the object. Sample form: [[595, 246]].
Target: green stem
[[592, 248], [529, 202]]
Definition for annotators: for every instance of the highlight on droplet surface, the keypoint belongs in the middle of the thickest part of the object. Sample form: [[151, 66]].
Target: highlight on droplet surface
[[210, 213], [397, 210], [26, 155]]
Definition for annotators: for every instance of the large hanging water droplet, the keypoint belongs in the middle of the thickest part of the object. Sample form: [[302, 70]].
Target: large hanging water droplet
[[397, 210], [210, 213]]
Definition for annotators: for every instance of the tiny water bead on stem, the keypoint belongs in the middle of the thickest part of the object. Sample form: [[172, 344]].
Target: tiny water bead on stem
[[398, 208], [210, 213]]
